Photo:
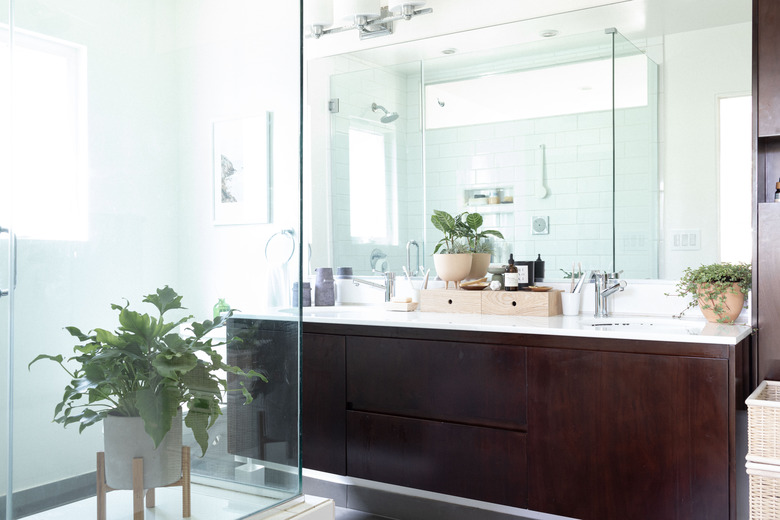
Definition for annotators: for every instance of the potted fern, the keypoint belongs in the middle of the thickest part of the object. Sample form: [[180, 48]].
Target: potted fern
[[139, 380], [719, 290], [451, 256]]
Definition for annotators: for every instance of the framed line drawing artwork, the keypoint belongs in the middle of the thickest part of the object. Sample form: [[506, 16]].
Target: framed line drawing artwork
[[242, 171]]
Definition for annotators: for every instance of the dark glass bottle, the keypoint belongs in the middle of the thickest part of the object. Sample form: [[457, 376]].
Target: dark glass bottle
[[511, 277]]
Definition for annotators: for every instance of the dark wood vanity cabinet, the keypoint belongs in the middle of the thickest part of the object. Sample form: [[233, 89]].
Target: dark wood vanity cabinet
[[323, 397], [618, 435], [589, 428], [441, 416]]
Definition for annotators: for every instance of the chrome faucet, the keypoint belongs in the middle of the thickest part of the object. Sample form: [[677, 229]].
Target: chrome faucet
[[606, 284], [389, 285], [409, 244]]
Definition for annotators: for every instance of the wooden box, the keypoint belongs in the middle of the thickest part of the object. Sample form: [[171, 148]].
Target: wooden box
[[509, 303], [451, 300], [521, 303]]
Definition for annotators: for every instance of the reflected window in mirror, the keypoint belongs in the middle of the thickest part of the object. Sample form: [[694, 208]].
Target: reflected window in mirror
[[735, 178], [373, 215]]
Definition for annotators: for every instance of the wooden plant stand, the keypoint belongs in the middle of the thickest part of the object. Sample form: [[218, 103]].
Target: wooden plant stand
[[138, 486]]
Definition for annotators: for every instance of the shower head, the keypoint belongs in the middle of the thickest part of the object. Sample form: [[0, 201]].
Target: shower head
[[388, 117]]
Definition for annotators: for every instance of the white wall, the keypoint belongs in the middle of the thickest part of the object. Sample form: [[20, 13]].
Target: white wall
[[235, 61], [698, 68]]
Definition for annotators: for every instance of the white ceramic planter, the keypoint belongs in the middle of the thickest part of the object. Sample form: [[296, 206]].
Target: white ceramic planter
[[452, 268], [124, 438]]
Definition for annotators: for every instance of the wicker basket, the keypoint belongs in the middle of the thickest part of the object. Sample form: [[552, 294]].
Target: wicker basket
[[764, 491], [764, 424]]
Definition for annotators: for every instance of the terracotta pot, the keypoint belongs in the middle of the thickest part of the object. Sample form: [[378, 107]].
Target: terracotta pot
[[452, 268], [124, 438], [479, 265], [732, 307]]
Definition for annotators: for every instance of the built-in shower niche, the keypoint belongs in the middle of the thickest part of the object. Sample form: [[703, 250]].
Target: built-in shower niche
[[566, 129]]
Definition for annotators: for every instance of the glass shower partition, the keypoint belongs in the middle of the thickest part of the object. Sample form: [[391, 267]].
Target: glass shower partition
[[124, 125], [637, 226]]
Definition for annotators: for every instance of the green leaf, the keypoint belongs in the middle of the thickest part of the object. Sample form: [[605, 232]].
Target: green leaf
[[77, 333], [158, 410], [90, 417], [493, 232], [136, 323], [197, 420], [57, 358], [201, 382], [109, 338], [474, 220], [164, 299], [172, 365]]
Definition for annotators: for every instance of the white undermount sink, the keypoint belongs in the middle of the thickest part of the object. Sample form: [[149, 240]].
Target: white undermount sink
[[644, 324]]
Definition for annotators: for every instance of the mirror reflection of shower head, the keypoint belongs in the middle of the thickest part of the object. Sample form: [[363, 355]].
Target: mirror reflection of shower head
[[388, 117]]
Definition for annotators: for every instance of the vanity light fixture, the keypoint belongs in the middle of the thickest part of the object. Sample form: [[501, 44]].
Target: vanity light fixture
[[366, 16]]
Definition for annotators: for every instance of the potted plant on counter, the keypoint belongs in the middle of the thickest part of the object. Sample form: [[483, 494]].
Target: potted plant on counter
[[480, 248], [451, 256], [138, 379], [720, 290]]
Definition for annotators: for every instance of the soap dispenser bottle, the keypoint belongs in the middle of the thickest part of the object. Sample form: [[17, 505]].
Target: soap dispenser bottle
[[538, 268], [777, 191], [511, 277]]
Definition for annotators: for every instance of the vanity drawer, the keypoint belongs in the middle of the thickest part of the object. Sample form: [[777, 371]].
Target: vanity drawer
[[467, 383], [467, 461]]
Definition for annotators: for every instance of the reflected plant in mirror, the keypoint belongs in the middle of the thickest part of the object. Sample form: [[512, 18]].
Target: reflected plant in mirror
[[475, 238]]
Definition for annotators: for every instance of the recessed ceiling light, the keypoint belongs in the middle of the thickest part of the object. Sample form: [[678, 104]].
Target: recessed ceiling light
[[449, 51], [549, 33]]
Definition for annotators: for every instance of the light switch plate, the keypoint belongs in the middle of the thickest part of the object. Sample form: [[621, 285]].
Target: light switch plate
[[540, 225]]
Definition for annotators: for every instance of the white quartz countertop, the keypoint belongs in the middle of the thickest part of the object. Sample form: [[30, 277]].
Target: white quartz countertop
[[649, 328]]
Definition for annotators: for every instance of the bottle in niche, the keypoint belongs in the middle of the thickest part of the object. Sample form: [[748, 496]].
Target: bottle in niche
[[221, 308], [777, 191], [511, 277]]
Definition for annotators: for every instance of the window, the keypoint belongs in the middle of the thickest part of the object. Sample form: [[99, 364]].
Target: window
[[372, 189], [735, 156], [48, 137]]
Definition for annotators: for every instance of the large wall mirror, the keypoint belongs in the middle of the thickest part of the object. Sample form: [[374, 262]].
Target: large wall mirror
[[585, 147]]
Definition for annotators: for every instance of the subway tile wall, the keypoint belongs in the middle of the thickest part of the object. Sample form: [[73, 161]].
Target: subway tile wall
[[457, 162]]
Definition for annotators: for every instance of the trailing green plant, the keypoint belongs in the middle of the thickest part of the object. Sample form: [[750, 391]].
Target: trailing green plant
[[708, 285], [144, 369], [476, 238], [454, 230]]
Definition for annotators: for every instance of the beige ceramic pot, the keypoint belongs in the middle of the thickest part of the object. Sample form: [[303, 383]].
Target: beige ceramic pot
[[452, 268], [479, 265], [732, 307]]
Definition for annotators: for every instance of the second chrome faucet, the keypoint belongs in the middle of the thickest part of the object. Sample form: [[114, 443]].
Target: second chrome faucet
[[605, 284]]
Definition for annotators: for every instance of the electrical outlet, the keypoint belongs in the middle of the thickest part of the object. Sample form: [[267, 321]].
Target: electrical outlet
[[686, 239]]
